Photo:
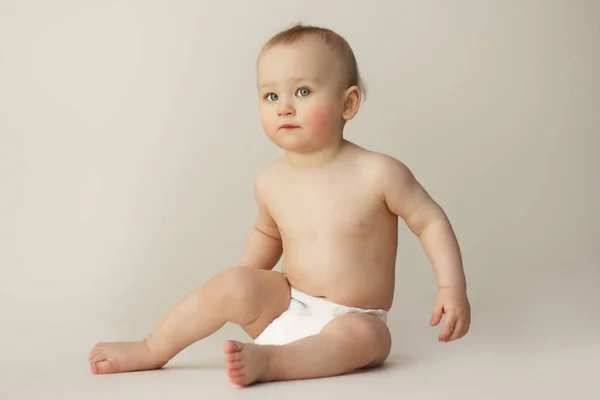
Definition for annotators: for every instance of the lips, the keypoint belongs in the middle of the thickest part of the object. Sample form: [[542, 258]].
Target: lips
[[289, 126]]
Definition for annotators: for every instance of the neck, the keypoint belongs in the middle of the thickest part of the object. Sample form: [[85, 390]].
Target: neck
[[317, 158]]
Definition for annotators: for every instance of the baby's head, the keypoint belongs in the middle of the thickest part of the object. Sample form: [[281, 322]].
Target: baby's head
[[308, 86]]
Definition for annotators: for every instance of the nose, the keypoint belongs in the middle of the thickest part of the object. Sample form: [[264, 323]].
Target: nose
[[285, 108]]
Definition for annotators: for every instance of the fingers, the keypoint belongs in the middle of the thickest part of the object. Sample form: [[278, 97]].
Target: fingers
[[458, 331], [461, 327], [436, 317], [449, 324]]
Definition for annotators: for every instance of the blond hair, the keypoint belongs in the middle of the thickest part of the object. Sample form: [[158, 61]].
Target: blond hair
[[333, 40]]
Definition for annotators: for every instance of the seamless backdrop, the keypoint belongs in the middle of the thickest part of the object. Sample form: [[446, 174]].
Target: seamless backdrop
[[130, 138]]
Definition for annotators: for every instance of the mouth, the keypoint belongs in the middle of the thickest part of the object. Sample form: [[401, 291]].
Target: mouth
[[289, 127]]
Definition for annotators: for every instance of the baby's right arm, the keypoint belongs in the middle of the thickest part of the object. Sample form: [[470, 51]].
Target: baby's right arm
[[263, 247]]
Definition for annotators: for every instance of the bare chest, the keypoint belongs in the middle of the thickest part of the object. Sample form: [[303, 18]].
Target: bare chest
[[315, 212]]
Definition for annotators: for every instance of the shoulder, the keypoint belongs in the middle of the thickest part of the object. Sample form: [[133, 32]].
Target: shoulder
[[384, 170], [386, 164], [267, 177]]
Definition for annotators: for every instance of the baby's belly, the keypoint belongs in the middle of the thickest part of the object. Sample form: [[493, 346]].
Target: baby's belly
[[353, 275]]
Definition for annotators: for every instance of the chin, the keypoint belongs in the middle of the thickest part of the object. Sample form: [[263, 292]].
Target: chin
[[299, 146], [292, 143], [295, 147]]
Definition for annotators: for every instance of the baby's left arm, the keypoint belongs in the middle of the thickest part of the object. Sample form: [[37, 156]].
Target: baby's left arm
[[405, 197]]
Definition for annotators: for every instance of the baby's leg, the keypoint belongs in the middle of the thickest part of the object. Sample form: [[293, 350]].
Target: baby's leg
[[245, 296], [347, 343]]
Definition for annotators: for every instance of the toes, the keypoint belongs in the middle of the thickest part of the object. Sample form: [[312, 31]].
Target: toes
[[98, 357], [94, 367], [239, 381], [97, 348], [235, 356], [234, 365], [103, 367], [232, 346], [236, 373], [238, 369], [95, 352]]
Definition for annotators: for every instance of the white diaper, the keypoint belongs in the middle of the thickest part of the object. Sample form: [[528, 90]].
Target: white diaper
[[306, 316]]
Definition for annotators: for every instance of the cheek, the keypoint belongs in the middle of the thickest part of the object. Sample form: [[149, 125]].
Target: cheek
[[268, 122], [322, 118]]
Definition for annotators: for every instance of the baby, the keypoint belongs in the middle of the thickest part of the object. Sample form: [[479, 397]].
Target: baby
[[328, 207]]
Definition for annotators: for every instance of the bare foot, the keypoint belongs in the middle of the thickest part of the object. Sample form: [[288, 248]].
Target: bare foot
[[246, 363], [110, 358]]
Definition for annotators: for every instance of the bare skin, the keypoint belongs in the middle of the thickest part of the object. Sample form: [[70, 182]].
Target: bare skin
[[331, 209], [340, 231], [322, 355], [246, 296]]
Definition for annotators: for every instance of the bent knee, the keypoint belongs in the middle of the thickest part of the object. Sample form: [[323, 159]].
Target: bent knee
[[237, 285], [245, 293], [369, 332]]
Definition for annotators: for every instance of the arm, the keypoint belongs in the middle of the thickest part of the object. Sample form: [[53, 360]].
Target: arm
[[405, 197], [263, 247]]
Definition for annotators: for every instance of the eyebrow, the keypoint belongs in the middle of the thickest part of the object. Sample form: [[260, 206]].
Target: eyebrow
[[298, 79]]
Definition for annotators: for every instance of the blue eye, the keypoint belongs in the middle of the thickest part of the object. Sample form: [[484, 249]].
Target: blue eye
[[303, 92], [271, 97]]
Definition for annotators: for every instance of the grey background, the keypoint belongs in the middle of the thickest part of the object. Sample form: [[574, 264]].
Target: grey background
[[130, 138]]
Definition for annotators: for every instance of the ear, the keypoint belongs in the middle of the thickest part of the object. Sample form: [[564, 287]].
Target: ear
[[351, 102]]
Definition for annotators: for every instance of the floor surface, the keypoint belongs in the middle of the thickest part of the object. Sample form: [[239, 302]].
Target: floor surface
[[460, 370]]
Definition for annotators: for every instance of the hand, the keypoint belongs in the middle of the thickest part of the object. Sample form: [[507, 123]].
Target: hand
[[454, 303]]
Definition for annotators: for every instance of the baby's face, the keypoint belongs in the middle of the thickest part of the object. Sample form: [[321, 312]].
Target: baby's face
[[301, 96]]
